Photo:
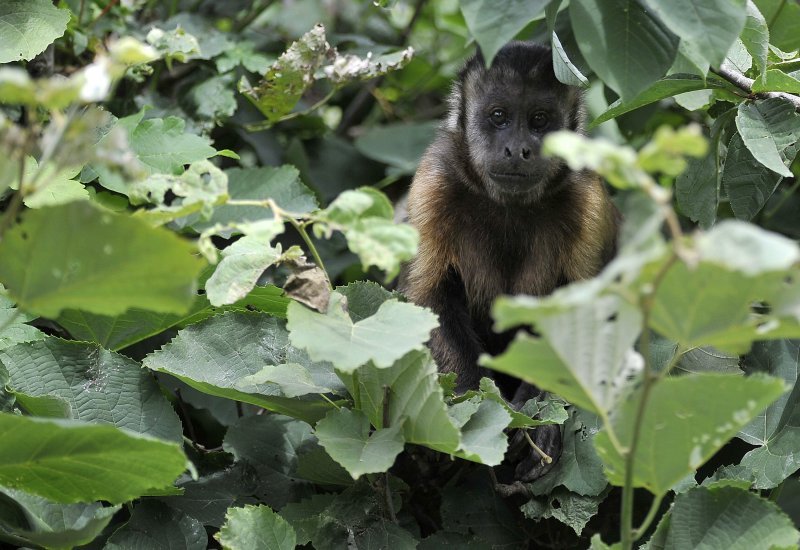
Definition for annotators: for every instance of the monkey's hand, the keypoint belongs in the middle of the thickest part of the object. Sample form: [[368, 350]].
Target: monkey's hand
[[534, 451]]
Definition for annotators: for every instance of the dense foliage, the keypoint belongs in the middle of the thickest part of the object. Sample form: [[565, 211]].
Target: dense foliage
[[199, 340]]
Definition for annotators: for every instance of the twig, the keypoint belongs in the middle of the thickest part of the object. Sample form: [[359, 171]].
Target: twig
[[746, 84], [251, 16], [545, 457], [301, 228], [387, 491]]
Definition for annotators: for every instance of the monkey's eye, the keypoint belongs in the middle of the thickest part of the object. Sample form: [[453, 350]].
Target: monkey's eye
[[499, 117], [539, 120]]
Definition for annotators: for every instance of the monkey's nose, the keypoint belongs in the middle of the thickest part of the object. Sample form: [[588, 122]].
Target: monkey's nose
[[507, 152], [525, 154]]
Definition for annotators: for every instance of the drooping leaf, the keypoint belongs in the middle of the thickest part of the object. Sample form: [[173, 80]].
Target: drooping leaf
[[79, 256], [569, 508], [255, 527], [27, 27], [493, 24], [697, 190], [686, 420], [625, 44], [747, 183], [776, 431], [216, 355], [767, 128], [728, 517], [95, 385], [710, 27], [50, 525], [394, 330], [755, 36], [564, 69], [482, 437], [71, 461], [345, 435], [155, 525]]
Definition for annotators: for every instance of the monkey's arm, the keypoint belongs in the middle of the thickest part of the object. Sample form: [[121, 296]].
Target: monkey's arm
[[454, 345]]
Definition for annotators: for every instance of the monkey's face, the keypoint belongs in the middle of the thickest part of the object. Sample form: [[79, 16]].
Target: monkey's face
[[506, 117]]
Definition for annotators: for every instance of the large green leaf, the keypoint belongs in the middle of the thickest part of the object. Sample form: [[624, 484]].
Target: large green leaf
[[155, 525], [216, 355], [346, 436], [686, 420], [697, 190], [398, 145], [71, 461], [495, 23], [78, 256], [777, 430], [711, 303], [767, 128], [256, 527], [755, 36], [709, 26], [626, 45], [415, 399], [584, 354], [727, 518], [94, 384], [27, 27], [394, 330], [38, 522]]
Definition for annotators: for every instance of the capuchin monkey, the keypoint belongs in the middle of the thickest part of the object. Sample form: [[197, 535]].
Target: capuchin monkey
[[495, 217]]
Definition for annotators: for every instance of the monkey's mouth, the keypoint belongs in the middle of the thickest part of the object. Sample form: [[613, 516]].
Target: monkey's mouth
[[514, 180]]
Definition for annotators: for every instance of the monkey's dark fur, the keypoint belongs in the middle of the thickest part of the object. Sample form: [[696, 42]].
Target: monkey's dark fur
[[495, 217]]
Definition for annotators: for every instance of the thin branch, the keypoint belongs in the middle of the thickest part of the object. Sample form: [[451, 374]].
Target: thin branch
[[746, 84], [545, 457]]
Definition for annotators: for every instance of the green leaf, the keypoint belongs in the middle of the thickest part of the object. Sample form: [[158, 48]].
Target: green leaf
[[584, 354], [242, 264], [711, 27], [564, 69], [121, 331], [776, 431], [71, 461], [15, 330], [394, 330], [686, 420], [216, 355], [155, 525], [289, 77], [755, 37], [747, 183], [365, 217], [697, 190], [578, 469], [255, 527], [213, 99], [39, 522], [482, 437], [415, 400], [569, 508], [767, 128], [346, 436], [776, 80], [270, 446], [163, 145], [711, 303], [96, 385], [318, 467], [27, 27], [78, 256], [495, 23], [668, 86], [625, 44], [398, 145], [730, 518], [293, 379], [281, 184], [243, 53]]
